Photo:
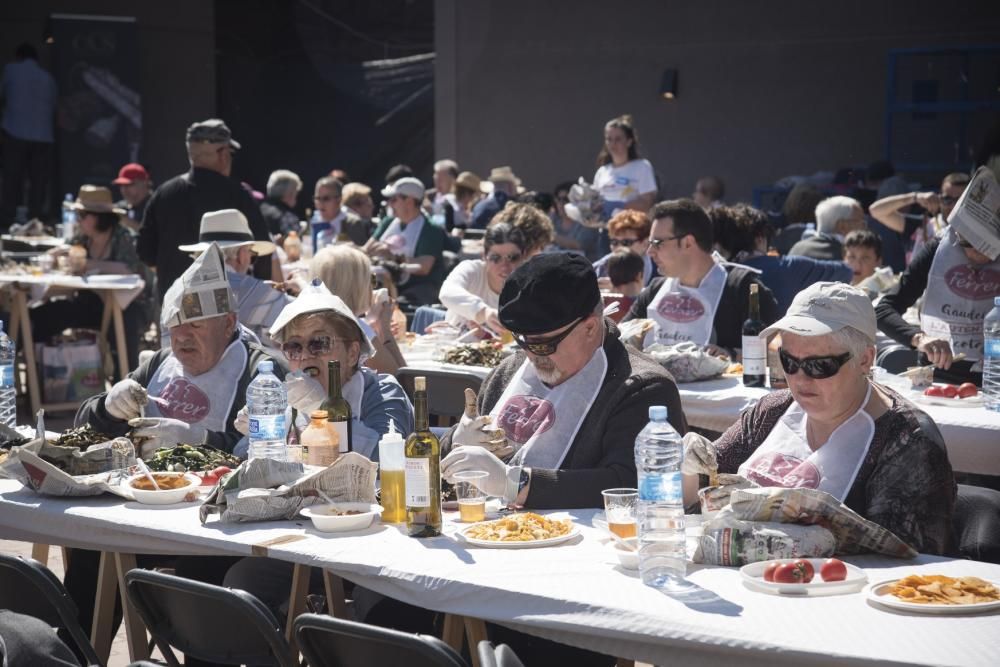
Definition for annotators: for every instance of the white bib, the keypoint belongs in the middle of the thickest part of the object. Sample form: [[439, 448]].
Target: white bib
[[962, 296], [785, 458], [685, 313], [205, 399], [543, 421], [403, 240]]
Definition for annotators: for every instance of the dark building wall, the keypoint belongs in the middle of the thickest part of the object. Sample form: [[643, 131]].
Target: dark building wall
[[766, 89]]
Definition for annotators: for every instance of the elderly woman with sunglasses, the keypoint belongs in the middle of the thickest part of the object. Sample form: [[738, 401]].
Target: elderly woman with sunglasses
[[833, 429]]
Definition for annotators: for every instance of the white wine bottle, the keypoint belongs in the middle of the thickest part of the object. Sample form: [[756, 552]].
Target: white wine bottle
[[423, 471], [338, 410]]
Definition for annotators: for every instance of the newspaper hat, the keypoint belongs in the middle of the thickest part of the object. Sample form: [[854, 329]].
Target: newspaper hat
[[201, 292], [317, 298], [823, 308], [226, 228]]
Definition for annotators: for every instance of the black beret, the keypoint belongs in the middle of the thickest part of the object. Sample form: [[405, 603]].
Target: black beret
[[547, 292]]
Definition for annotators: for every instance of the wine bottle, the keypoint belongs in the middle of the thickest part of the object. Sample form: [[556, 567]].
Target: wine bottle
[[338, 410], [754, 349], [422, 471]]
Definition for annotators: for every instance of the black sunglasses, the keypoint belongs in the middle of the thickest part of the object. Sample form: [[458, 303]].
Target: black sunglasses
[[544, 348], [615, 243], [496, 258], [818, 368], [316, 346]]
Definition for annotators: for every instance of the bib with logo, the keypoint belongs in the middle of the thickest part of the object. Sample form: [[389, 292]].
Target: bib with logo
[[685, 313], [785, 458], [543, 421]]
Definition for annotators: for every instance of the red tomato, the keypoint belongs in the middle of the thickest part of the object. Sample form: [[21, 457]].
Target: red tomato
[[209, 479], [807, 569], [769, 570], [833, 569], [792, 573], [934, 391], [949, 390], [221, 470], [967, 390]]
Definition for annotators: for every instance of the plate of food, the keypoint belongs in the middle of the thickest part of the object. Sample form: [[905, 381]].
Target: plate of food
[[965, 395], [175, 487], [803, 576], [488, 353], [525, 530], [936, 594], [342, 517]]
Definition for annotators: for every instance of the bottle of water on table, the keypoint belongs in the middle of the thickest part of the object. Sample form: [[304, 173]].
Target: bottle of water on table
[[266, 404], [991, 357], [8, 395], [659, 451]]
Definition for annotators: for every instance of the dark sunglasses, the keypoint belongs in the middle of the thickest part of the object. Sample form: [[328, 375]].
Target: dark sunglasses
[[546, 347], [818, 368], [656, 243], [495, 258], [316, 346], [615, 243]]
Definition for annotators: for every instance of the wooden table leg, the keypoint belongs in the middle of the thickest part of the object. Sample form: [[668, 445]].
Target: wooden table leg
[[336, 601], [40, 552], [135, 629], [296, 602], [475, 632], [27, 344], [104, 606], [454, 631]]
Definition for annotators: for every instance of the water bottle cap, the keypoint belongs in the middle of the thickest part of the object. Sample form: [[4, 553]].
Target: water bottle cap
[[265, 367], [996, 301], [657, 413]]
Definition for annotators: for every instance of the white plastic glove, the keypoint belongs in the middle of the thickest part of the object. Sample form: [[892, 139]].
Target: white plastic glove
[[476, 458], [699, 456], [242, 421], [473, 430], [163, 432], [304, 393], [126, 399]]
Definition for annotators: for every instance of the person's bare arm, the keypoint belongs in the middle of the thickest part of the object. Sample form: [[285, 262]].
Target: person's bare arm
[[419, 266], [887, 210]]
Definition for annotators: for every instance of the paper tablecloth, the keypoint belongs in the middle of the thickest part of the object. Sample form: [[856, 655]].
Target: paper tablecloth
[[124, 288]]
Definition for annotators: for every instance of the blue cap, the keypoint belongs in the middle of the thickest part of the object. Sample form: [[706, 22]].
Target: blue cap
[[657, 413], [265, 366]]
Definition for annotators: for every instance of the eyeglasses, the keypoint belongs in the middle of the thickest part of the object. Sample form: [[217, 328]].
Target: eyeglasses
[[656, 243], [546, 347], [615, 243], [947, 200], [818, 368], [326, 198], [494, 258], [316, 346]]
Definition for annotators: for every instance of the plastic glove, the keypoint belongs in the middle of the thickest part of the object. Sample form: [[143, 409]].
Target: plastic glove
[[699, 457], [304, 393], [163, 432], [477, 458], [126, 399], [242, 421], [473, 430]]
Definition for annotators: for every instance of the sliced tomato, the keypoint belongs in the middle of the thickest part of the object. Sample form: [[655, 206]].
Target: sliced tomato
[[833, 569], [769, 570], [967, 390]]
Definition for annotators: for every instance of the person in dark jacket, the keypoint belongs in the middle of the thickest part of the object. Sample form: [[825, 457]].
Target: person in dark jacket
[[174, 212], [278, 208]]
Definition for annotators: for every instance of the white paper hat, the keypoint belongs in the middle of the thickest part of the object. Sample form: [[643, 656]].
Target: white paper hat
[[201, 292], [317, 298]]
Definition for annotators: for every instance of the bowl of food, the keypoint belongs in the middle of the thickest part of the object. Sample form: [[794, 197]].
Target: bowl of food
[[627, 551], [174, 487], [341, 517]]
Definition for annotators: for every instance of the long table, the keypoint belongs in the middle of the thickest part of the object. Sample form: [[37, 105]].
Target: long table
[[576, 593]]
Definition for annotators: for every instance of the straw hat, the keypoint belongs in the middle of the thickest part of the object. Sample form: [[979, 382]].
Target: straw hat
[[468, 180], [96, 199], [227, 228]]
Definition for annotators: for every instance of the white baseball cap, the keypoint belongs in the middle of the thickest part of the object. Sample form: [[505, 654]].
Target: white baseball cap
[[823, 308], [405, 187]]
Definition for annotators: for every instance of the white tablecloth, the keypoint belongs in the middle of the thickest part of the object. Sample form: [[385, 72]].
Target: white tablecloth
[[575, 593], [124, 288], [427, 355]]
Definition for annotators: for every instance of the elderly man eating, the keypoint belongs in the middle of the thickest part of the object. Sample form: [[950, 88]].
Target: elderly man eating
[[190, 392], [570, 404]]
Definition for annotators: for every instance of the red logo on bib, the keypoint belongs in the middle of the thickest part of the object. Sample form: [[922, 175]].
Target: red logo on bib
[[185, 401], [777, 469], [680, 308], [972, 282], [524, 416]]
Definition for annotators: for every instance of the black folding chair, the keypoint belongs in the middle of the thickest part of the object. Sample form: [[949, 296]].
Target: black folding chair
[[28, 587], [445, 390], [326, 641], [210, 623], [497, 656]]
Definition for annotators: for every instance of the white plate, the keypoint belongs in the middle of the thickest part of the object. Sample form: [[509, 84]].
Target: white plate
[[977, 401], [880, 595], [167, 496], [337, 523], [753, 577], [574, 531]]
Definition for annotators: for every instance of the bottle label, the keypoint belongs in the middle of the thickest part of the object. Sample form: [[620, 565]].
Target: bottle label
[[7, 376], [341, 429], [990, 349], [418, 482], [661, 487], [754, 355], [267, 427]]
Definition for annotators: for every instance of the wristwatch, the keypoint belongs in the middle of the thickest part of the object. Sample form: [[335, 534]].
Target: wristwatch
[[518, 481]]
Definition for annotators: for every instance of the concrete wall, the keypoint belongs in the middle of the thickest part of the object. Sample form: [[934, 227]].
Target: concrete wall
[[766, 89]]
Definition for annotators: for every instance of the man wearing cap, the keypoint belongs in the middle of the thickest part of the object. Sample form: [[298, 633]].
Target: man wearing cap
[[501, 188], [136, 187], [835, 430], [258, 302], [190, 392], [412, 242], [174, 212], [569, 404]]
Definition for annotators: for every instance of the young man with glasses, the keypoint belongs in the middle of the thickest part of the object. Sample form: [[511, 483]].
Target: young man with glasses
[[628, 229]]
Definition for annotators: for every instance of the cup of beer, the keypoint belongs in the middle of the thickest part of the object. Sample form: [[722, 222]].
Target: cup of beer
[[471, 497], [619, 509]]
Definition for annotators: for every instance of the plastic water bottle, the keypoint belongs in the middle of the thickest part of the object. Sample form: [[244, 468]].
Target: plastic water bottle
[[8, 395], [68, 218], [659, 451], [267, 401], [991, 357]]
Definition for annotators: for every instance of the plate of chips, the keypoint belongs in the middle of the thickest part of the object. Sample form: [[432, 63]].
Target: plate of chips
[[525, 530], [936, 594]]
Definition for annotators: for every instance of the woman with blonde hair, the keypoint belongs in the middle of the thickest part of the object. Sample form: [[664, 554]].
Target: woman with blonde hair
[[346, 271]]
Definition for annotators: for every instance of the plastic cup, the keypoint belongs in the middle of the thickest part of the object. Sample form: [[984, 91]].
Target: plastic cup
[[619, 509], [471, 497]]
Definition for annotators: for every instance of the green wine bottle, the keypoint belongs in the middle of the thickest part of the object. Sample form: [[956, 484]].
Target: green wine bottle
[[338, 410], [422, 471]]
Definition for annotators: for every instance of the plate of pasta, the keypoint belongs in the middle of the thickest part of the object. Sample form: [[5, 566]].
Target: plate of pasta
[[525, 530]]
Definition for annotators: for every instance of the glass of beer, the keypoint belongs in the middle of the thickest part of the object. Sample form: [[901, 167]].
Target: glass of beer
[[619, 509], [471, 497]]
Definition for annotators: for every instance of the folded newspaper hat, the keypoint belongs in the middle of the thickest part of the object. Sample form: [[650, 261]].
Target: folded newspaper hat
[[547, 292], [317, 298], [201, 292], [823, 308], [228, 227]]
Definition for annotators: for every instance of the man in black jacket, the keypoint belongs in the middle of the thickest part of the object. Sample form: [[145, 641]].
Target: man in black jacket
[[174, 212]]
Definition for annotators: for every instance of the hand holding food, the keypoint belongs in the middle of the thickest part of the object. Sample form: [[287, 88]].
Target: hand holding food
[[126, 400], [164, 432], [700, 458], [476, 458], [937, 350], [474, 430]]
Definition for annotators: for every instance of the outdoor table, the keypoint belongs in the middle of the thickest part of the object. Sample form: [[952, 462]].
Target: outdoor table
[[117, 292], [576, 593], [425, 355]]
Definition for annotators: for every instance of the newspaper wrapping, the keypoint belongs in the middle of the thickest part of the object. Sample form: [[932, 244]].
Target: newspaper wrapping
[[727, 540], [248, 496], [52, 470], [976, 215]]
